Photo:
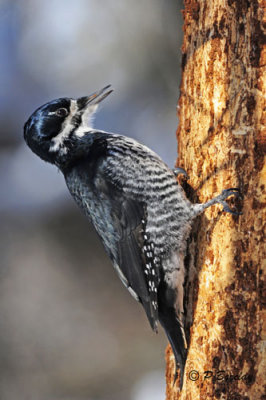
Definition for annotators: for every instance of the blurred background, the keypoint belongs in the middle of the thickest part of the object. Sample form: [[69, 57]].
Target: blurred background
[[69, 329]]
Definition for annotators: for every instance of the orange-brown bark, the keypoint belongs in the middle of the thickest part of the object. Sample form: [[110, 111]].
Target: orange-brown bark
[[221, 144]]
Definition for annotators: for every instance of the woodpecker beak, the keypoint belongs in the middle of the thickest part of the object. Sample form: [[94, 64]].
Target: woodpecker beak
[[94, 98]]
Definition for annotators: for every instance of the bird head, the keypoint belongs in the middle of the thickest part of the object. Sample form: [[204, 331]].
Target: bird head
[[54, 129]]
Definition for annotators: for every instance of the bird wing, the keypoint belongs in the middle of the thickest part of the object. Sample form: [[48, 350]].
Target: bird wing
[[128, 246], [119, 218]]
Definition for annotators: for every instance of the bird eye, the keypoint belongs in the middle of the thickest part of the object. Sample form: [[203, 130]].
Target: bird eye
[[61, 112]]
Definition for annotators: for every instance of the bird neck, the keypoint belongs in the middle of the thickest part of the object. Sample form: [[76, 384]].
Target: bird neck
[[81, 148]]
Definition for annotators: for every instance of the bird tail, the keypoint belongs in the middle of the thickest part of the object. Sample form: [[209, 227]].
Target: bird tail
[[176, 336]]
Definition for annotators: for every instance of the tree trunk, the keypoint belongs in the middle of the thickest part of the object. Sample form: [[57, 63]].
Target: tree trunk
[[220, 137]]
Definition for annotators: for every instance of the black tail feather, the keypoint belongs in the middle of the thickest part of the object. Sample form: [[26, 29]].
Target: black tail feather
[[173, 330]]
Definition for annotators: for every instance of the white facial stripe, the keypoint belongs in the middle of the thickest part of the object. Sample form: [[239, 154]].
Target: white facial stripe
[[66, 128], [86, 120]]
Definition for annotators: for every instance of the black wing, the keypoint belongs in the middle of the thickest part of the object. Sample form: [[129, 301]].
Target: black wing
[[129, 246]]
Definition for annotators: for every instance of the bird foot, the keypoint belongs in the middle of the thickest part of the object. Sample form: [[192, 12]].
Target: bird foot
[[224, 195]]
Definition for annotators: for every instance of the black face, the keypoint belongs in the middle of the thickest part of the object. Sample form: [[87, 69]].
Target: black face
[[54, 130], [44, 124]]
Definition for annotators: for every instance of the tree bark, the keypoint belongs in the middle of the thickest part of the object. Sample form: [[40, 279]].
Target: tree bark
[[220, 137]]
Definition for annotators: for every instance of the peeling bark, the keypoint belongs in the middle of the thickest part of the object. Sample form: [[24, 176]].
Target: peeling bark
[[221, 145]]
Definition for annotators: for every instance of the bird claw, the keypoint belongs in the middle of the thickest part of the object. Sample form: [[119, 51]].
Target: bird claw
[[224, 195], [231, 192], [226, 208], [180, 170]]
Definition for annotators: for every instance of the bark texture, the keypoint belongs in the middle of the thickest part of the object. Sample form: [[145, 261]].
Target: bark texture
[[221, 145]]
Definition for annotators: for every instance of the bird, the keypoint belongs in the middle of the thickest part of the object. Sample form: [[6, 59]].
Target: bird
[[133, 200]]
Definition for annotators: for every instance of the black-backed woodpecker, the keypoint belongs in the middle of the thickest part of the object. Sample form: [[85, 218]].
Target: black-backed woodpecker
[[133, 200]]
